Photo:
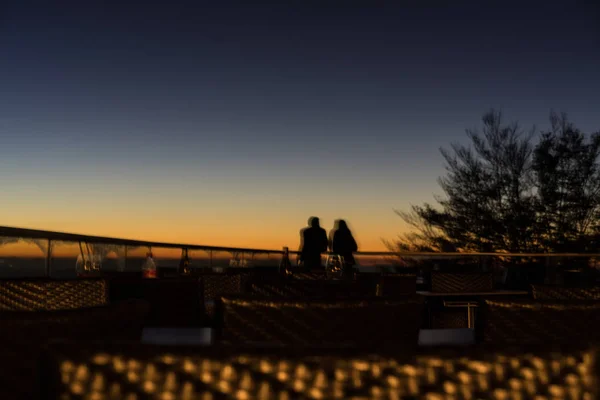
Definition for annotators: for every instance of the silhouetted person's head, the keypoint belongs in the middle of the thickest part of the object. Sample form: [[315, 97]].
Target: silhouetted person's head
[[340, 225], [314, 222]]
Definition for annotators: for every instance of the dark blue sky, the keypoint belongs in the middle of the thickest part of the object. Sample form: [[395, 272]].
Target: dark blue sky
[[340, 99]]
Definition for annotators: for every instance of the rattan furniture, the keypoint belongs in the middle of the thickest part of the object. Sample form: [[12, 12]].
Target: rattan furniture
[[539, 322], [364, 322], [48, 294], [286, 287], [448, 282], [457, 312], [548, 292], [218, 284], [24, 333], [124, 371]]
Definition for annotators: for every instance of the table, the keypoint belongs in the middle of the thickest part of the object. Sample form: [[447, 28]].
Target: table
[[177, 336], [470, 305], [446, 337]]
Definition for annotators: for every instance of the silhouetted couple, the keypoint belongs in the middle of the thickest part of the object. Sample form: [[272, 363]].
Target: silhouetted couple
[[314, 242]]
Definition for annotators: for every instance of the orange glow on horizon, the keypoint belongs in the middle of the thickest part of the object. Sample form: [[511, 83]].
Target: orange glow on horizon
[[21, 249], [225, 239], [259, 229]]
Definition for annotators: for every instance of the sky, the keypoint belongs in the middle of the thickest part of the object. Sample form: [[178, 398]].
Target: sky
[[231, 123]]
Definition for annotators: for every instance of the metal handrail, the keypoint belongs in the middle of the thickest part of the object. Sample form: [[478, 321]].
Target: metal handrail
[[52, 237], [73, 237], [471, 254]]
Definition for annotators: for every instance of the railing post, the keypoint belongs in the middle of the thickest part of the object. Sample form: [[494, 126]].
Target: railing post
[[210, 261], [184, 263], [49, 259]]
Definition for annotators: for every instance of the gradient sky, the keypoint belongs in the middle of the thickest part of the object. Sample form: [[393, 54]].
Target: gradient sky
[[225, 123]]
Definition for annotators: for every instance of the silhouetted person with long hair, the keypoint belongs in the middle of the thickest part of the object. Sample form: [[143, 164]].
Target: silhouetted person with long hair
[[313, 242], [342, 242]]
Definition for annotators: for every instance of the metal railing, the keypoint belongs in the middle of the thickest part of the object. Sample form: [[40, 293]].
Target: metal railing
[[52, 236]]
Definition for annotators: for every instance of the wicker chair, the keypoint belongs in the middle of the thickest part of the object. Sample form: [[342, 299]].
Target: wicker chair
[[48, 295], [174, 302], [547, 292], [218, 284], [457, 315], [369, 322], [501, 372], [445, 282], [282, 287], [539, 322], [24, 333], [309, 373], [315, 274]]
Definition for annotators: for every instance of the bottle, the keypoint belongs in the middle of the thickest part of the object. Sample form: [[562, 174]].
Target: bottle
[[149, 267], [285, 265], [184, 264]]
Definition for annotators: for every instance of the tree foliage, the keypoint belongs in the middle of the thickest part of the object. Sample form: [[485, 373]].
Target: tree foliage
[[568, 181], [504, 193]]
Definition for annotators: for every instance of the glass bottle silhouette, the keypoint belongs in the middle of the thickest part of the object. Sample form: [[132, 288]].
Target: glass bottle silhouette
[[149, 267], [184, 264], [285, 265]]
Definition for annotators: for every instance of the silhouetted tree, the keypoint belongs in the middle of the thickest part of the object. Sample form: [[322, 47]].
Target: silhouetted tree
[[568, 181], [423, 236], [504, 194], [489, 196]]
